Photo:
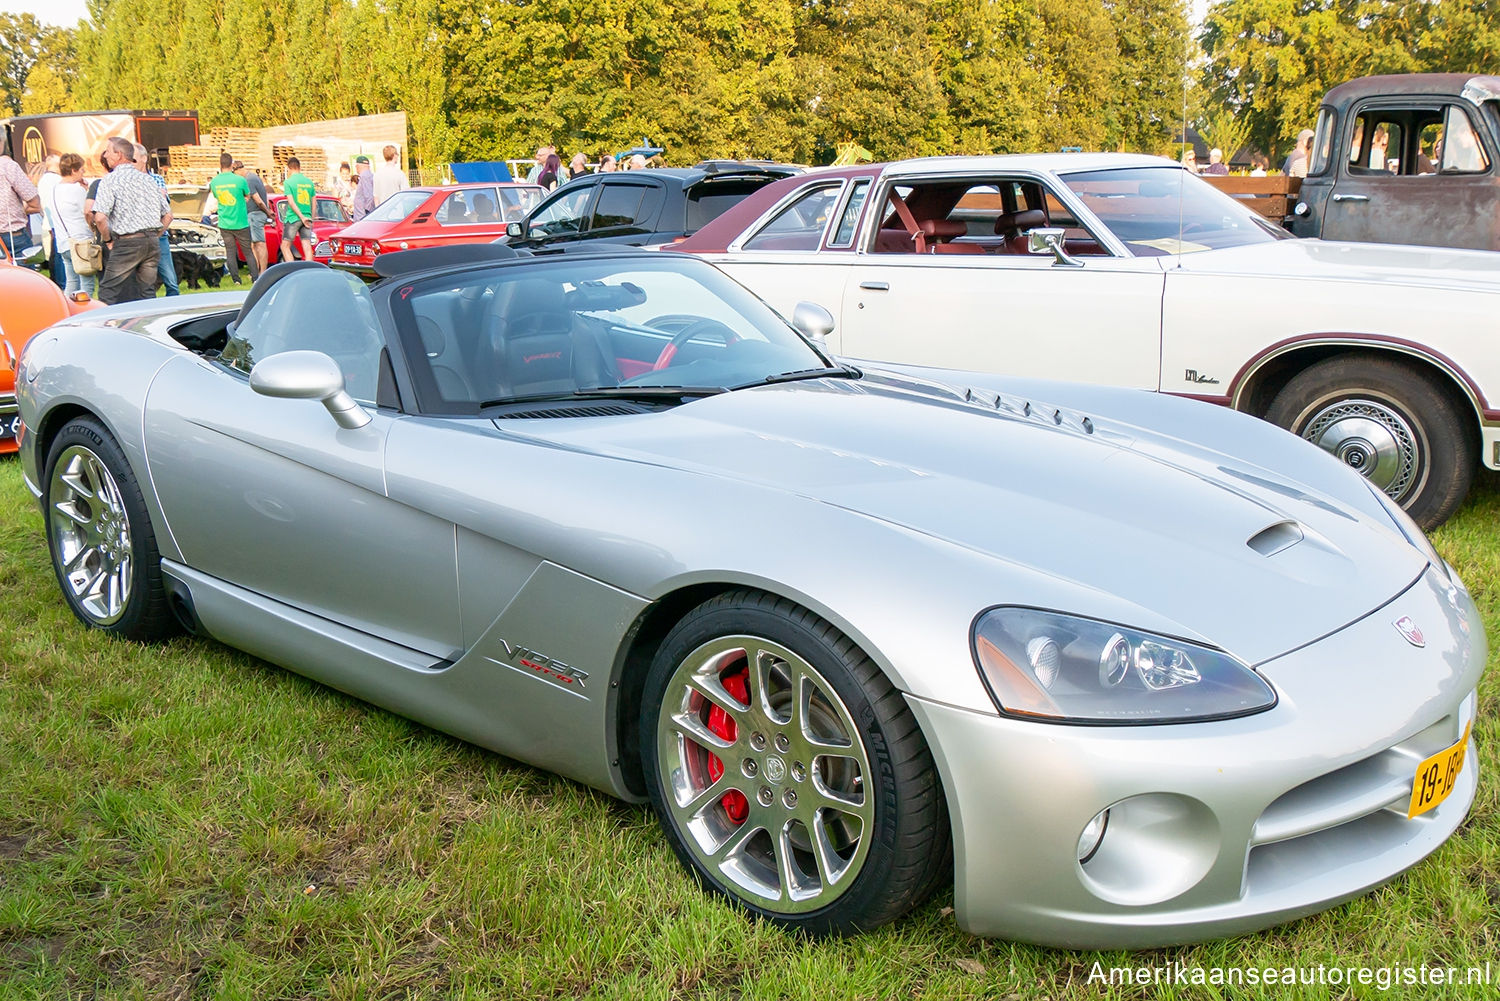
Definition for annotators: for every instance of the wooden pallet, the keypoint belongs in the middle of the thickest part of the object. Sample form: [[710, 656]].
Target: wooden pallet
[[314, 160], [192, 164]]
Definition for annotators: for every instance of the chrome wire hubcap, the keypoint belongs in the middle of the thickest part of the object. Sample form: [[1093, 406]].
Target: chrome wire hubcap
[[1371, 439], [91, 534], [764, 773]]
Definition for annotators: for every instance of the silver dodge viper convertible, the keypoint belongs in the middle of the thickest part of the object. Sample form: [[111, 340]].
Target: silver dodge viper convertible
[[1128, 669]]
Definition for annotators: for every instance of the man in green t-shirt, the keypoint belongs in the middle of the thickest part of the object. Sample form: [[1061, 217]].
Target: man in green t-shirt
[[297, 211], [229, 192]]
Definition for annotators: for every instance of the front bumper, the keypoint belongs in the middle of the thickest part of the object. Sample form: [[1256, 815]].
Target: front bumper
[[1216, 828]]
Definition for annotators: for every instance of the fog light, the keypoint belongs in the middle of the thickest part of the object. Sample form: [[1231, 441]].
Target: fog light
[[1046, 659], [1092, 836]]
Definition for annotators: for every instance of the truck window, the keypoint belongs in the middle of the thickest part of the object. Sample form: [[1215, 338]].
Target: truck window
[[1377, 142], [1322, 149], [1395, 141], [1460, 151]]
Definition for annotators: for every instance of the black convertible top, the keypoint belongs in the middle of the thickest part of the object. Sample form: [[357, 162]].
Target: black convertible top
[[404, 262]]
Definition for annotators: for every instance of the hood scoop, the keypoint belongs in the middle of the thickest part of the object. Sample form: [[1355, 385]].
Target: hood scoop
[[1275, 538]]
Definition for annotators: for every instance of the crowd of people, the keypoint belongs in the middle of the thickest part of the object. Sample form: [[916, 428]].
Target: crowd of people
[[549, 171], [1295, 164], [107, 239]]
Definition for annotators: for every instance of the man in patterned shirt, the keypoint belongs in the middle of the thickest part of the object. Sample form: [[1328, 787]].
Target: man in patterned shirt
[[18, 200], [129, 212], [165, 272]]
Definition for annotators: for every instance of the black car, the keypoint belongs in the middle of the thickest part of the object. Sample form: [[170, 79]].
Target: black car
[[641, 207]]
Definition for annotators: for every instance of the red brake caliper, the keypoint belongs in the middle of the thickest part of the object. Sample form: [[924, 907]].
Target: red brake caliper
[[719, 722]]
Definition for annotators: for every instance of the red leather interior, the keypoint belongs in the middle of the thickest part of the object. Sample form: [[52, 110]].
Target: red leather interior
[[893, 241], [942, 229], [1013, 226]]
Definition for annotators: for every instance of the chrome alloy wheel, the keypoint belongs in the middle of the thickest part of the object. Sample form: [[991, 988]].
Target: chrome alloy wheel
[[1372, 439], [91, 534], [764, 773]]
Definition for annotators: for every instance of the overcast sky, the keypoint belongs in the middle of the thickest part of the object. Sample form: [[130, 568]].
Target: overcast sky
[[65, 13]]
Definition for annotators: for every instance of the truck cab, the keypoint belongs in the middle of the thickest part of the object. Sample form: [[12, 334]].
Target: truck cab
[[1412, 158]]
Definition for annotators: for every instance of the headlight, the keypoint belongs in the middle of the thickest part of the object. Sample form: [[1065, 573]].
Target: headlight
[[1050, 666], [1409, 529]]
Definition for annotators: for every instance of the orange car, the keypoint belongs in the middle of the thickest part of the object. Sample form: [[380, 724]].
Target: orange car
[[28, 302]]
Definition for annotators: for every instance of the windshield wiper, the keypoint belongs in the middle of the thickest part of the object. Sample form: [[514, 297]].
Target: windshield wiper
[[832, 372], [611, 392]]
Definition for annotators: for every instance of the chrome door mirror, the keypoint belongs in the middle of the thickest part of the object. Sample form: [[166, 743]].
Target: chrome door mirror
[[308, 375], [515, 230], [1051, 241], [33, 255], [813, 322]]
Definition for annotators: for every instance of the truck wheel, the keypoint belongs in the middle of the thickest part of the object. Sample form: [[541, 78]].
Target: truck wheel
[[1395, 425]]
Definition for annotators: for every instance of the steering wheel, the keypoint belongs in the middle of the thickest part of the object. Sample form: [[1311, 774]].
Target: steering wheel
[[694, 327]]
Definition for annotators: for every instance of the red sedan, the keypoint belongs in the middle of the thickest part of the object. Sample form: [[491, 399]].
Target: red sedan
[[431, 217]]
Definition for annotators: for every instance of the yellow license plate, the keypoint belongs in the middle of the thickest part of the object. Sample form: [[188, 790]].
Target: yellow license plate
[[1437, 776]]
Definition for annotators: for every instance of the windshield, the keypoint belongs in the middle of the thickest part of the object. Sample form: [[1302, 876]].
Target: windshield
[[1156, 211], [329, 210], [399, 206], [604, 326]]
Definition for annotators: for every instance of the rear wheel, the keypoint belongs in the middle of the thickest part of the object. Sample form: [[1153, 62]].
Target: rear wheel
[[788, 773], [1393, 424], [100, 536]]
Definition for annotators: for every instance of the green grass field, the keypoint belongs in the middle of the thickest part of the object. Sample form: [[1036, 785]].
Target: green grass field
[[184, 821]]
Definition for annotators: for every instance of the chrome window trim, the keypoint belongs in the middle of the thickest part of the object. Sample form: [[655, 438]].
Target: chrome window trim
[[843, 206], [795, 195]]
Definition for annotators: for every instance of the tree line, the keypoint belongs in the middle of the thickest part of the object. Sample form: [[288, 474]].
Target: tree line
[[779, 79]]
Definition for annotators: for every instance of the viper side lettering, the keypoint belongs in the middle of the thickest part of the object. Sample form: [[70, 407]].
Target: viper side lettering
[[554, 670]]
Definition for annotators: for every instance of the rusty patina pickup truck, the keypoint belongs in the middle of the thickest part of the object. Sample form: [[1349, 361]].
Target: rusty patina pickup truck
[[1409, 158], [1412, 158]]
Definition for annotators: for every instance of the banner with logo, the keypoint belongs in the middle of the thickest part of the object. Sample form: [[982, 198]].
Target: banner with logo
[[32, 140]]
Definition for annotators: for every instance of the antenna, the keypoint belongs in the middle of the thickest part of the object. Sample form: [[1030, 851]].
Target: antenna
[[1187, 53]]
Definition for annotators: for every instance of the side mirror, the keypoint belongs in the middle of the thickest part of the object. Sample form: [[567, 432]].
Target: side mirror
[[515, 230], [33, 255], [1050, 241], [308, 375], [812, 321]]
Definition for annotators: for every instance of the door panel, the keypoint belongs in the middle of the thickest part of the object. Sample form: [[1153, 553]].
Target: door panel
[[784, 279], [1013, 314], [433, 463], [273, 496], [1395, 185]]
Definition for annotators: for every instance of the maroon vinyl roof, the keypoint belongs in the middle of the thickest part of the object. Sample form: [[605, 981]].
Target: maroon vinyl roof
[[719, 234]]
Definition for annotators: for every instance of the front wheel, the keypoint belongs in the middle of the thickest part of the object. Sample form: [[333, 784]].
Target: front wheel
[[787, 772], [1395, 425], [100, 536]]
